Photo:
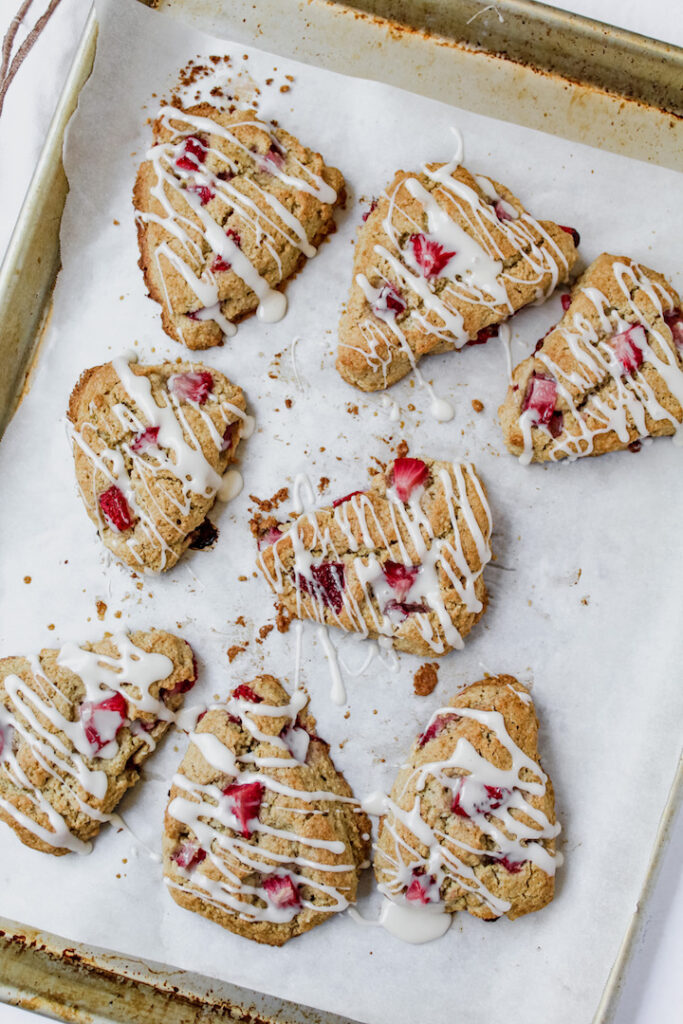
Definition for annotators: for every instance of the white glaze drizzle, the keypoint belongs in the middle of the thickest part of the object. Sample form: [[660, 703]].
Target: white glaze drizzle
[[597, 364], [269, 219], [466, 774], [408, 519], [64, 751], [178, 452], [206, 811]]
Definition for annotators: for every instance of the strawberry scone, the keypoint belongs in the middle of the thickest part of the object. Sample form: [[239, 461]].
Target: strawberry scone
[[443, 258], [150, 446], [610, 372], [403, 559], [263, 834], [228, 208], [76, 726], [470, 821]]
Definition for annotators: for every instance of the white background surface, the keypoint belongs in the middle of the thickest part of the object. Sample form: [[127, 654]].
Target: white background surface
[[655, 987]]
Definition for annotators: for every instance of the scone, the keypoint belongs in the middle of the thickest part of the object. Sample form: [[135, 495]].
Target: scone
[[470, 822], [403, 559], [150, 446], [441, 261], [263, 834], [228, 208], [609, 374], [76, 726]]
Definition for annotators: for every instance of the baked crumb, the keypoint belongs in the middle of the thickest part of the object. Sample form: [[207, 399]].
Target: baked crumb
[[477, 405], [101, 609], [402, 449], [426, 678], [233, 651], [283, 620]]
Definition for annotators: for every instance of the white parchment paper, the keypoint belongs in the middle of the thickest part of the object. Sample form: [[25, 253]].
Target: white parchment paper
[[586, 597]]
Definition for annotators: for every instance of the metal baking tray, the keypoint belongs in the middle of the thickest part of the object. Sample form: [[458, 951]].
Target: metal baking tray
[[518, 60]]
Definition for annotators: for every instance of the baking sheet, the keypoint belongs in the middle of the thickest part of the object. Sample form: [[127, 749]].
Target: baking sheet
[[601, 646]]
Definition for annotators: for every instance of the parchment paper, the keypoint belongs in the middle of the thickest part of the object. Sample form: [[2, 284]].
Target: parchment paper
[[586, 598]]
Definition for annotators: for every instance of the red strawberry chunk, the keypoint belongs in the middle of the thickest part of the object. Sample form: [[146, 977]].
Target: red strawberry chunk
[[203, 191], [573, 232], [246, 801], [182, 686], [373, 207], [327, 584], [194, 386], [244, 692], [219, 264], [540, 397], [347, 497], [513, 866], [416, 891], [502, 212], [189, 854], [628, 347], [389, 300], [271, 536], [115, 509], [398, 611], [400, 577], [272, 161], [556, 423], [146, 439], [437, 726], [103, 720], [228, 436], [566, 301], [409, 474], [431, 257], [483, 335], [281, 891], [193, 154], [674, 321], [456, 806]]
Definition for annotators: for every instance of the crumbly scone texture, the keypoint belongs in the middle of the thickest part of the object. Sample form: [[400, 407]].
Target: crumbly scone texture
[[370, 527], [527, 889], [535, 256], [172, 514], [241, 161], [65, 691], [300, 823], [577, 351]]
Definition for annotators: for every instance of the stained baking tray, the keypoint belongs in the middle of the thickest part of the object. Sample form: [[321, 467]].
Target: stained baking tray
[[517, 60]]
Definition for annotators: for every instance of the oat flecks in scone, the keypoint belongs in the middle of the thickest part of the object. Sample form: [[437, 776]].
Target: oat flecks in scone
[[610, 372], [263, 834], [486, 810], [76, 726], [228, 208], [403, 559], [441, 261], [150, 446]]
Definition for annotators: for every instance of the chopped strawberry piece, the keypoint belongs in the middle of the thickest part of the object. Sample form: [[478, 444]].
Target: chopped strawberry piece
[[203, 191], [437, 726], [244, 692], [573, 232], [456, 806], [237, 239], [219, 265], [628, 347], [513, 866], [194, 314], [146, 439], [194, 386], [400, 577], [181, 687], [389, 300], [471, 797], [347, 497], [228, 437], [271, 162], [483, 335], [373, 207], [115, 509], [246, 800], [327, 584], [541, 395], [496, 794], [431, 257], [566, 301], [281, 890], [502, 211], [271, 536], [102, 721], [409, 474], [194, 154], [416, 891], [556, 423], [674, 321], [635, 447], [189, 854], [398, 611]]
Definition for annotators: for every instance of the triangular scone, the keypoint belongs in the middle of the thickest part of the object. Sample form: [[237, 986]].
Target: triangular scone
[[441, 261], [263, 834], [403, 559], [610, 373], [474, 790], [150, 445], [228, 209], [76, 726]]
